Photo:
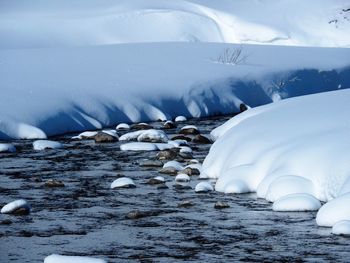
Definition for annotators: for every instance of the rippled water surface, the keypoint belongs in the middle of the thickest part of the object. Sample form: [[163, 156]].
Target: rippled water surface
[[88, 218]]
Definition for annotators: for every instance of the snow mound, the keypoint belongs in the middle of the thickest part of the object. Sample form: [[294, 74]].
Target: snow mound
[[145, 146], [54, 258], [153, 136], [341, 228], [296, 203], [85, 135], [7, 147], [180, 119], [182, 178], [46, 144], [174, 164], [14, 205], [305, 136], [123, 126], [123, 182], [203, 187]]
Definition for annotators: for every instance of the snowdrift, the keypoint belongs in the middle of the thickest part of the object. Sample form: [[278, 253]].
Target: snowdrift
[[295, 146], [52, 91]]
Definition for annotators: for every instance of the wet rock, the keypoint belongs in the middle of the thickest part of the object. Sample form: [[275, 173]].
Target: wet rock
[[201, 139], [185, 203], [18, 207], [167, 155], [189, 129], [190, 171], [221, 205], [141, 126], [123, 182], [181, 137], [169, 125], [243, 107], [186, 155], [102, 137], [168, 170], [162, 186], [150, 163], [156, 180], [54, 183], [180, 186], [152, 135], [136, 214], [6, 222]]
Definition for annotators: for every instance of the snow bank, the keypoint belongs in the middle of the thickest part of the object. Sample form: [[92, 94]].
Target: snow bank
[[296, 203], [341, 228], [307, 137], [54, 258]]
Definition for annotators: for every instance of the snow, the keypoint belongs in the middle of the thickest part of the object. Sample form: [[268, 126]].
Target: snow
[[7, 147], [185, 149], [122, 182], [203, 187], [123, 126], [130, 136], [153, 135], [174, 164], [180, 119], [14, 205], [296, 203], [54, 258], [341, 228], [159, 178], [182, 178], [46, 144], [297, 145], [111, 132], [85, 135]]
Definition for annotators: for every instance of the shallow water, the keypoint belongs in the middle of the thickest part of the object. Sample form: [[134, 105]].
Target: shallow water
[[87, 218]]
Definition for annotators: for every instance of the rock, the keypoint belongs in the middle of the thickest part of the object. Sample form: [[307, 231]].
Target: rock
[[18, 207], [201, 139], [156, 180], [190, 171], [243, 107], [180, 186], [136, 214], [169, 125], [7, 148], [181, 137], [194, 161], [185, 203], [152, 135], [189, 129], [54, 183], [122, 127], [123, 182], [102, 137], [168, 170], [221, 205], [6, 222], [203, 187], [182, 178], [141, 126], [150, 163], [180, 119], [167, 155], [186, 155], [162, 186]]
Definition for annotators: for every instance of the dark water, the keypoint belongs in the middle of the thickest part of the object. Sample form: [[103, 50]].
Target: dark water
[[87, 218]]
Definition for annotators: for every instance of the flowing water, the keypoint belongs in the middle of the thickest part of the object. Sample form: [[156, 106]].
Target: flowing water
[[88, 218]]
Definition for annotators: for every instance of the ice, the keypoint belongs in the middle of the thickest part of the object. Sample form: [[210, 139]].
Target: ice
[[296, 203], [122, 182], [203, 187], [46, 144], [54, 258], [7, 147], [14, 205], [341, 228]]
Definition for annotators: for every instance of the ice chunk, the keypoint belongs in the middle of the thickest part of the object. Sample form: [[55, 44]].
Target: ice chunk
[[139, 146], [236, 186], [296, 202], [85, 135]]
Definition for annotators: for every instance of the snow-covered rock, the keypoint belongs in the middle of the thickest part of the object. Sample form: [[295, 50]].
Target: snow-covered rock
[[46, 144], [54, 258], [185, 149], [182, 178], [139, 146], [174, 164], [189, 129], [203, 187], [7, 147], [341, 228], [180, 119], [85, 135], [123, 182], [153, 136], [123, 126], [296, 203], [130, 136], [19, 206]]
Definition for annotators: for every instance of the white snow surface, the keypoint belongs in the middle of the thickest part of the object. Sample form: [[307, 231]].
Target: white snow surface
[[307, 137], [203, 187], [14, 205], [341, 228], [122, 182], [7, 147], [174, 164], [46, 144], [182, 178], [296, 203], [54, 258]]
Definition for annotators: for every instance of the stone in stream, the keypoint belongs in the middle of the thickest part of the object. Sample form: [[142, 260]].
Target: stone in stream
[[182, 186], [201, 139], [169, 125], [141, 126], [221, 205], [150, 163], [185, 203], [136, 214], [123, 182], [122, 127], [18, 207], [189, 129], [203, 187], [6, 222], [102, 137], [180, 119], [156, 180], [190, 171], [167, 155], [181, 137], [54, 183], [185, 155], [168, 170], [162, 186]]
